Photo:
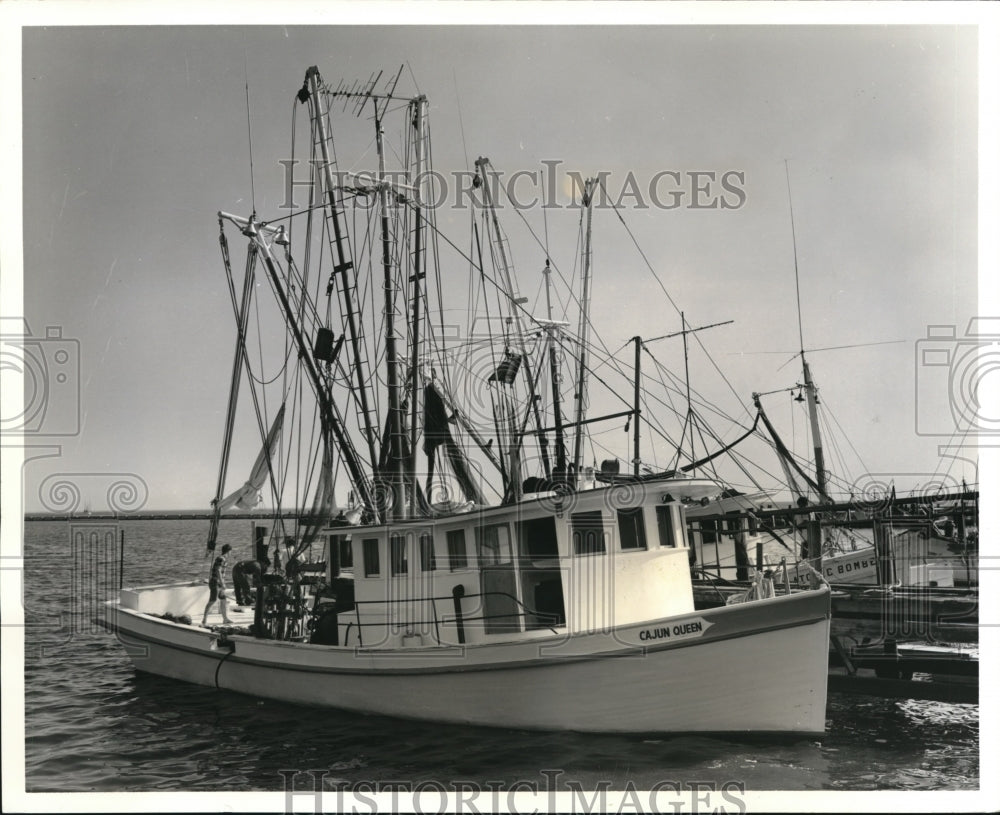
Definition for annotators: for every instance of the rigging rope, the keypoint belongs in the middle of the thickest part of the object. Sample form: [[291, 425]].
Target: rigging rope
[[671, 300], [241, 339]]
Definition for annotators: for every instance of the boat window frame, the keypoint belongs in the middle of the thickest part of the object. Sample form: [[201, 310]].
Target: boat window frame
[[453, 564], [665, 511], [577, 524], [482, 546], [425, 548], [638, 523], [399, 565], [345, 547], [527, 530], [371, 556]]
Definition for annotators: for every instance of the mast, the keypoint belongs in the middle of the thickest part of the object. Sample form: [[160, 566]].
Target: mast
[[311, 91], [687, 381], [635, 406], [395, 462], [514, 454], [812, 398], [581, 379], [418, 106], [555, 375]]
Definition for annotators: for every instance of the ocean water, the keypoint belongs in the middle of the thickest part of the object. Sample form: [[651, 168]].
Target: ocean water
[[94, 724]]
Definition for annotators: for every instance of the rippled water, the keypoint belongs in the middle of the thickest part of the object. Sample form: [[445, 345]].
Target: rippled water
[[94, 724]]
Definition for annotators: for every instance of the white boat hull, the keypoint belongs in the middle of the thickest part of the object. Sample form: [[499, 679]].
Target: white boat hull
[[757, 667]]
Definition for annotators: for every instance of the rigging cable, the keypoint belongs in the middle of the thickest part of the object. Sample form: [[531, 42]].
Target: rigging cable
[[671, 300], [241, 339]]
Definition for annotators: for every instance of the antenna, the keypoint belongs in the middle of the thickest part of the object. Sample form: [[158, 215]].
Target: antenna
[[689, 416], [246, 85], [795, 258], [365, 91], [810, 387]]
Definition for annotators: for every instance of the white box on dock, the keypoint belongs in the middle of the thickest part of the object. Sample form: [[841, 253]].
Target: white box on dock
[[930, 575]]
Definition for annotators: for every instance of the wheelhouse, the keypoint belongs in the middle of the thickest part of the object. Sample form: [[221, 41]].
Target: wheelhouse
[[585, 562]]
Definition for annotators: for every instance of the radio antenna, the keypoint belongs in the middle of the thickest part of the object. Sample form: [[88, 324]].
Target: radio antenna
[[246, 86]]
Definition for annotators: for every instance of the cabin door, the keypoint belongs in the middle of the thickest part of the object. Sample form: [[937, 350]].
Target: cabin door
[[497, 579]]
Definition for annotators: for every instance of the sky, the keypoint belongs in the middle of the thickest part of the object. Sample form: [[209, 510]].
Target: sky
[[133, 138]]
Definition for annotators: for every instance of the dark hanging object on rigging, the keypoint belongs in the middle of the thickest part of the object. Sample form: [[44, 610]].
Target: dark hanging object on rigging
[[507, 370], [303, 94], [324, 350]]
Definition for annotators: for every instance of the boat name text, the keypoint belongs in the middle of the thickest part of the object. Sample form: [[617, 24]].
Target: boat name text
[[691, 628]]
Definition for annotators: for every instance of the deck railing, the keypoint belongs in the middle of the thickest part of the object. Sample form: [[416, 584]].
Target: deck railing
[[285, 613], [459, 619]]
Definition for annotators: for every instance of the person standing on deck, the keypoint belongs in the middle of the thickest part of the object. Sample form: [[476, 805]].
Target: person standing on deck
[[246, 578], [217, 586]]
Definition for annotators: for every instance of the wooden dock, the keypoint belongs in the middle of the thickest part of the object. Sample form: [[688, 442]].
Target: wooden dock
[[870, 614], [864, 614], [895, 642], [906, 671]]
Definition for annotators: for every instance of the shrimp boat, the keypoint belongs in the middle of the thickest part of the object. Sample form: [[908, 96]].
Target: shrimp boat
[[554, 602]]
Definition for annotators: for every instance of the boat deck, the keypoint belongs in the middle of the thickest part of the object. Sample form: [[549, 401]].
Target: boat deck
[[241, 616]]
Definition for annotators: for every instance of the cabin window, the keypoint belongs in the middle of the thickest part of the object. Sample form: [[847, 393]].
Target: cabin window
[[494, 545], [397, 554], [335, 552], [457, 556], [709, 532], [665, 526], [427, 563], [631, 528], [588, 532], [346, 553], [537, 539], [370, 554]]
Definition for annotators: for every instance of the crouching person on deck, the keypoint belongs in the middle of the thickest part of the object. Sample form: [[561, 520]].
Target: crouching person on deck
[[246, 578], [217, 586]]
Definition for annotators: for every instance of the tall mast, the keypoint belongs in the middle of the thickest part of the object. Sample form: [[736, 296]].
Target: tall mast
[[395, 459], [581, 379], [418, 106], [811, 396], [320, 115], [514, 455], [635, 405], [812, 400], [555, 376], [689, 418]]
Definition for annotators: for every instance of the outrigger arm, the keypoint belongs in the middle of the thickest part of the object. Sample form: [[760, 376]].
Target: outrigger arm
[[328, 413]]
